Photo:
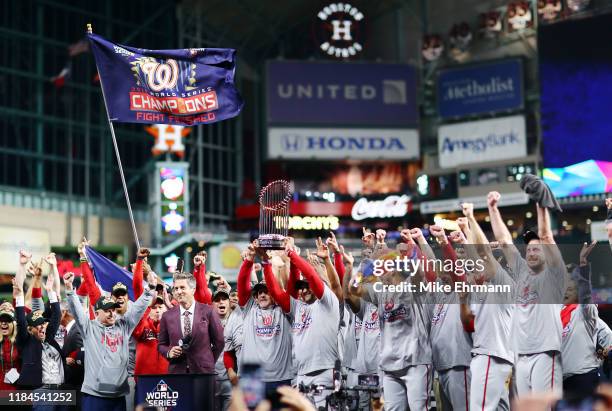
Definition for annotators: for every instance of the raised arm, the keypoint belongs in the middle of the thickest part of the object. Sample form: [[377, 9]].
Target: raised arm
[[419, 238], [51, 259], [22, 326], [143, 253], [202, 294], [92, 288], [56, 311], [278, 294], [294, 275], [479, 239], [332, 275], [334, 247], [81, 317], [352, 300], [244, 276], [24, 261], [551, 251], [316, 285], [134, 315], [34, 295]]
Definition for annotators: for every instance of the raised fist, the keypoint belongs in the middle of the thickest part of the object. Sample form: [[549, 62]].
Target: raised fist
[[68, 279], [468, 209], [380, 236], [436, 231], [143, 253], [493, 198], [50, 259], [24, 257]]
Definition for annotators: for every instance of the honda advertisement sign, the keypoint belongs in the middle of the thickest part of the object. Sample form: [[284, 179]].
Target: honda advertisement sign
[[355, 94], [482, 141], [486, 88], [341, 143]]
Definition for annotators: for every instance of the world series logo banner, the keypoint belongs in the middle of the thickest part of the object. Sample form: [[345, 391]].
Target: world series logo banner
[[183, 86]]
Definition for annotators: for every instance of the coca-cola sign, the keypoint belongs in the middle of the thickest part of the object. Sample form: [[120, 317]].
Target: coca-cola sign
[[391, 206]]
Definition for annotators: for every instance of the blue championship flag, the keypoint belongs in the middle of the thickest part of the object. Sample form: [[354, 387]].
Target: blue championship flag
[[107, 273], [184, 86]]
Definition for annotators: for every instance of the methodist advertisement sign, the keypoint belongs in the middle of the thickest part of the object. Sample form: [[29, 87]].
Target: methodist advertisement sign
[[338, 144], [482, 141], [354, 94], [486, 88]]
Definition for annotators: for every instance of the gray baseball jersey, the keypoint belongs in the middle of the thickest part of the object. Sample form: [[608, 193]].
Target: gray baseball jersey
[[315, 332], [404, 336], [537, 320], [368, 350], [267, 341], [492, 321], [349, 339], [450, 343], [579, 341]]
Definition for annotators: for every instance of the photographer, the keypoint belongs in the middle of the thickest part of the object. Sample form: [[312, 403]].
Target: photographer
[[178, 326]]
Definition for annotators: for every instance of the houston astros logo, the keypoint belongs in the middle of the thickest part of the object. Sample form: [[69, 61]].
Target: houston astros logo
[[161, 76]]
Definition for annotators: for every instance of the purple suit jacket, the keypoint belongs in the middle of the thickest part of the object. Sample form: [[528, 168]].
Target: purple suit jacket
[[205, 347]]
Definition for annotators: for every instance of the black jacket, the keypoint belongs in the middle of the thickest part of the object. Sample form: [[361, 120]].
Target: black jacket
[[31, 349], [73, 344]]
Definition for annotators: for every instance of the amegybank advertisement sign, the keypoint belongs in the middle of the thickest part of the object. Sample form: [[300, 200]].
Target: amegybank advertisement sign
[[481, 141], [341, 143]]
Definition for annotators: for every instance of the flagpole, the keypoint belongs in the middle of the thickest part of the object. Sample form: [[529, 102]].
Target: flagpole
[[112, 128]]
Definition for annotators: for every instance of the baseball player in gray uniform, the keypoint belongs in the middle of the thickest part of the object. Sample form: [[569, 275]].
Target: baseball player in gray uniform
[[491, 316], [367, 337], [540, 282], [450, 342], [405, 353]]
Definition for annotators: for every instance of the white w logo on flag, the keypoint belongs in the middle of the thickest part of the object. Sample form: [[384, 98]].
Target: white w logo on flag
[[160, 75]]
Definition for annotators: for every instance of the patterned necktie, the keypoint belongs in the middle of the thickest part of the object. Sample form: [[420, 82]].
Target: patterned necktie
[[187, 324]]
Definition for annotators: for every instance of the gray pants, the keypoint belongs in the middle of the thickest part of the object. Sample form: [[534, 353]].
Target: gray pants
[[455, 388], [490, 386], [539, 373], [223, 393], [323, 377], [408, 388]]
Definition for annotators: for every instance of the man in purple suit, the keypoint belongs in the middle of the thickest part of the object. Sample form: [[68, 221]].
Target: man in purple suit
[[190, 334]]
